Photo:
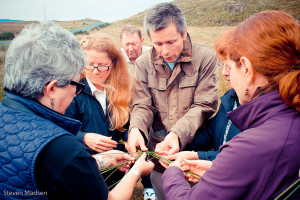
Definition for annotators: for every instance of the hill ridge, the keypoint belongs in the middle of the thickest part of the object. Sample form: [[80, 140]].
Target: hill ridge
[[222, 12]]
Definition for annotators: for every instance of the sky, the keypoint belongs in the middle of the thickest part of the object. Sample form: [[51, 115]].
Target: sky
[[66, 10]]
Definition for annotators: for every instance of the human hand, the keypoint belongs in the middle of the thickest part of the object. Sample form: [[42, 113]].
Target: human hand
[[135, 139], [115, 157], [174, 163], [143, 166], [197, 167], [169, 146], [99, 143], [180, 156]]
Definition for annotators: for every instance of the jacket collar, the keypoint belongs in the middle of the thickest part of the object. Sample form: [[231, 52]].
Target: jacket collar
[[185, 59], [185, 56], [87, 88], [30, 106], [258, 110], [228, 99], [93, 87], [88, 91]]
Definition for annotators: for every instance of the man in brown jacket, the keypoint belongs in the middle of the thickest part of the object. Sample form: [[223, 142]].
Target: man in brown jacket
[[175, 88]]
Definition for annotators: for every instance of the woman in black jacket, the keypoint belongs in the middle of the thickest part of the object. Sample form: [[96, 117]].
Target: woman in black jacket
[[103, 106]]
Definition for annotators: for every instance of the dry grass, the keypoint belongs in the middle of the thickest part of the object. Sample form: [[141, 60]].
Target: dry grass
[[16, 26], [2, 72], [138, 192], [210, 13], [2, 55], [77, 24], [206, 35]]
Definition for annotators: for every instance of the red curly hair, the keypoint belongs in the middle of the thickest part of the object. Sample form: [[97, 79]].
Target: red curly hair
[[271, 41]]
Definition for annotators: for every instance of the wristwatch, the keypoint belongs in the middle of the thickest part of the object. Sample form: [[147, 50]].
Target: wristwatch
[[100, 161], [136, 172]]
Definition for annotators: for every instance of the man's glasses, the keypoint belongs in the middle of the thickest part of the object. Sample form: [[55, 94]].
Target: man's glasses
[[79, 87], [99, 68]]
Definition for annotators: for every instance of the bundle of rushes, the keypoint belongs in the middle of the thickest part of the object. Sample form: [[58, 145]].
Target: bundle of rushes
[[149, 153]]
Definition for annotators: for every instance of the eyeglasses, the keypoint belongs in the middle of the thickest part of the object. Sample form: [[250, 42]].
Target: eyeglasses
[[79, 87], [224, 66], [99, 68]]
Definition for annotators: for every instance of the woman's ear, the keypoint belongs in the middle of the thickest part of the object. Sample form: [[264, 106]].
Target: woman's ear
[[247, 69], [50, 88]]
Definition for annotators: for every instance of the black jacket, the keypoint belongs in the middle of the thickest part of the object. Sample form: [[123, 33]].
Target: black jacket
[[211, 134], [88, 110]]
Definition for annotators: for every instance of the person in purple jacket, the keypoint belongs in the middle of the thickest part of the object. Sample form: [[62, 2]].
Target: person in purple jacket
[[263, 55]]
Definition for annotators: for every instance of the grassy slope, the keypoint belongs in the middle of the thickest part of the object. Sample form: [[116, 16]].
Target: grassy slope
[[16, 26], [230, 12], [223, 12]]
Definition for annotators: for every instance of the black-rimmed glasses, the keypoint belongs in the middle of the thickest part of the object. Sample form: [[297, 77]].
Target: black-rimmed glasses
[[79, 87], [99, 68]]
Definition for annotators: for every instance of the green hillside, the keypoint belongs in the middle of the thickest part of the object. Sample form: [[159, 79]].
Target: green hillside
[[223, 12]]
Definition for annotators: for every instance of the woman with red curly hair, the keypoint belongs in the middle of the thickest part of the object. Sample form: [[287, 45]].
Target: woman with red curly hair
[[103, 106], [263, 55]]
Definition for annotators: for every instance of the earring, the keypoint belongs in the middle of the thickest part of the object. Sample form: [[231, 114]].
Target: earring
[[247, 90], [52, 103]]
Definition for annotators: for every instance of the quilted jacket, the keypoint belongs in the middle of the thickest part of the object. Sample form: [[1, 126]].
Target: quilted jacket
[[26, 127]]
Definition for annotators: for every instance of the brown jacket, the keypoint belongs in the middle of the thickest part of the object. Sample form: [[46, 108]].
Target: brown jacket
[[177, 101]]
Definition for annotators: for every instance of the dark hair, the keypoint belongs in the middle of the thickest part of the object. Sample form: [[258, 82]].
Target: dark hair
[[161, 15]]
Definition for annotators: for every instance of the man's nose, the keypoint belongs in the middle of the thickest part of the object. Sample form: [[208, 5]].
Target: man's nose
[[130, 48], [165, 50]]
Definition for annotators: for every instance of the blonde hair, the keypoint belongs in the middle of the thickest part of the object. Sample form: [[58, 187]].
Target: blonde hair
[[118, 82]]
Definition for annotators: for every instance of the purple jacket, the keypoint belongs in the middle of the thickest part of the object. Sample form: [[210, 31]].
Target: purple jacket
[[259, 163]]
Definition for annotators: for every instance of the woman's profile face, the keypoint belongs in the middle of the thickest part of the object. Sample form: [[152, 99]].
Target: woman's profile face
[[64, 96], [98, 59], [226, 72], [237, 80]]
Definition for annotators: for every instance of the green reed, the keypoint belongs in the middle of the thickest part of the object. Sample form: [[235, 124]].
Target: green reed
[[149, 153]]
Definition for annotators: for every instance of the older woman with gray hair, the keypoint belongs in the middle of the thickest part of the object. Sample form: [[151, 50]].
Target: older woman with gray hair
[[39, 155]]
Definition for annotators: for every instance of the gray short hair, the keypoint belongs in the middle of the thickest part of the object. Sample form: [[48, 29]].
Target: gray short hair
[[161, 15], [130, 30], [40, 54]]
